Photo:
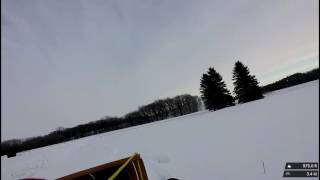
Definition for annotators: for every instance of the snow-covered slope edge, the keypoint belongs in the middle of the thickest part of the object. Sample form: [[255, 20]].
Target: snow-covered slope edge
[[231, 143]]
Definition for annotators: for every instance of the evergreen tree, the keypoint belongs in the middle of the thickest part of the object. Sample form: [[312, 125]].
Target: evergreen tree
[[246, 86], [213, 90]]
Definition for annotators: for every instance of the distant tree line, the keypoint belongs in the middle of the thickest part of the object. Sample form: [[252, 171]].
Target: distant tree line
[[155, 111], [292, 80]]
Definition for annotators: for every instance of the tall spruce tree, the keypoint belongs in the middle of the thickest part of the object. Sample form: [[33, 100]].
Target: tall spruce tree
[[246, 86], [213, 90]]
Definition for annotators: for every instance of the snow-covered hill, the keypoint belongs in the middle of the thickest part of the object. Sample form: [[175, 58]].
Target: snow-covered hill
[[231, 143]]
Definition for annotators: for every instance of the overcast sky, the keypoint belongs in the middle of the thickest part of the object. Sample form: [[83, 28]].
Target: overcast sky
[[69, 62]]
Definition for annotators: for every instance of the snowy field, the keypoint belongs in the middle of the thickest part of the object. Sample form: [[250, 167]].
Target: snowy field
[[228, 144]]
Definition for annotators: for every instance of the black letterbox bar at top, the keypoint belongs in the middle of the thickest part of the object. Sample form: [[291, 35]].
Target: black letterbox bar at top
[[302, 165]]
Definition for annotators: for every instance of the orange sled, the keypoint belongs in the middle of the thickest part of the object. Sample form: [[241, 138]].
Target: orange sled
[[131, 168]]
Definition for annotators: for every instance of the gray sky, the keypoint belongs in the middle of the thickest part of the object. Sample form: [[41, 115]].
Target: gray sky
[[69, 62]]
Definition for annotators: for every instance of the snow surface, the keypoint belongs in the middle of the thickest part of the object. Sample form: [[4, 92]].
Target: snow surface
[[231, 143]]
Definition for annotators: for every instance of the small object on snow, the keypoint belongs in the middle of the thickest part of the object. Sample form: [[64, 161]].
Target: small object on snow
[[173, 179], [162, 159]]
